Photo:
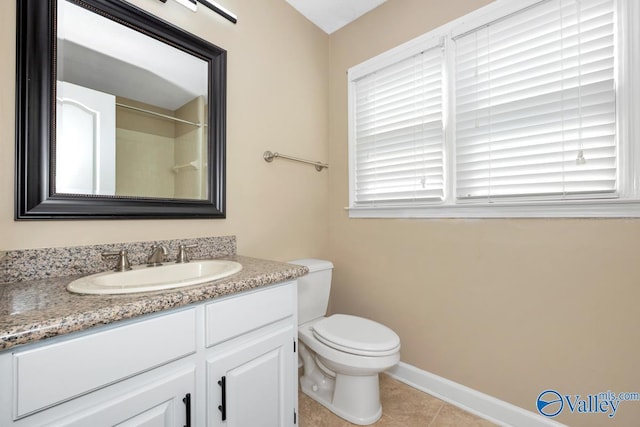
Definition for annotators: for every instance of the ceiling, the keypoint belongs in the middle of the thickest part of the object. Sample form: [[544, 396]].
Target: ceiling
[[331, 15]]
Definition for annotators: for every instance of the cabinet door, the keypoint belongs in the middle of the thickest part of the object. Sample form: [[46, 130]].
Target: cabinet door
[[252, 382], [162, 403]]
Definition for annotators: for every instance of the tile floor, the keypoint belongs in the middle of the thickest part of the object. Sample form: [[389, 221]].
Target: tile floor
[[402, 406]]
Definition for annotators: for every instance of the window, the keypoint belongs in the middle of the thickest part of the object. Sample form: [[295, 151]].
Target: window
[[513, 110], [399, 131]]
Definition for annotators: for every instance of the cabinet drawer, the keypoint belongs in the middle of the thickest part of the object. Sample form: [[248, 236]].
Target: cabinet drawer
[[54, 373], [156, 403], [239, 314]]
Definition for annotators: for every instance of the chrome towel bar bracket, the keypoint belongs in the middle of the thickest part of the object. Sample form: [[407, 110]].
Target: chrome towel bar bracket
[[268, 156]]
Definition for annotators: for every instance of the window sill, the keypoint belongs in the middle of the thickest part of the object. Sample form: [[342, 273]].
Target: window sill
[[564, 209]]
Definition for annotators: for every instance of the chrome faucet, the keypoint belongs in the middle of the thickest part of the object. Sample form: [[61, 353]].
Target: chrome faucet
[[156, 258]]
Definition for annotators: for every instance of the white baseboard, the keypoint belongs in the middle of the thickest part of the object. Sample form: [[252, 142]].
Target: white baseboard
[[480, 404]]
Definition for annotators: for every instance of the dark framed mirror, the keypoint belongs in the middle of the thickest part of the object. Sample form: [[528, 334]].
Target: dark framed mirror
[[119, 115]]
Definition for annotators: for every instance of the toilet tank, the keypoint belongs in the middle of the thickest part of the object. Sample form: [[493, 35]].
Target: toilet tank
[[313, 289]]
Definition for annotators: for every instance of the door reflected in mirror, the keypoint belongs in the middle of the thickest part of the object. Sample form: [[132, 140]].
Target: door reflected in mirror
[[131, 112]]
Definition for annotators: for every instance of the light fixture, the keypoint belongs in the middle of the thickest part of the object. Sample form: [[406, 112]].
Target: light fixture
[[193, 4], [219, 10], [189, 4]]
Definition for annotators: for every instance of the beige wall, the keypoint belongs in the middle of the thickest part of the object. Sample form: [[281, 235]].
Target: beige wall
[[277, 100], [507, 307]]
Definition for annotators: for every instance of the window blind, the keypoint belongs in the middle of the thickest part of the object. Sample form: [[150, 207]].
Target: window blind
[[535, 104], [399, 132]]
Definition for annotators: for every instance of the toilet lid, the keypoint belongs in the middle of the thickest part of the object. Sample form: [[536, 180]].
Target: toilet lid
[[356, 335]]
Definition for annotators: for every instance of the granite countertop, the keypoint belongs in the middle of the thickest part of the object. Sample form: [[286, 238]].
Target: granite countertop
[[34, 310]]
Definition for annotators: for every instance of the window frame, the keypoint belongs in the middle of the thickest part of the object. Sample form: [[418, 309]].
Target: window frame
[[627, 202]]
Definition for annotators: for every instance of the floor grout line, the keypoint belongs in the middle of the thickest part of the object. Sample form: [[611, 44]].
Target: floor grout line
[[433, 420]]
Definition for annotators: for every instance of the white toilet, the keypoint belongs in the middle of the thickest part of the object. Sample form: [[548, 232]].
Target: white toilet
[[342, 354]]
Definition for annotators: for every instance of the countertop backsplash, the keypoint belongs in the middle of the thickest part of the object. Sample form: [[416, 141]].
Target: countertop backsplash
[[36, 264]]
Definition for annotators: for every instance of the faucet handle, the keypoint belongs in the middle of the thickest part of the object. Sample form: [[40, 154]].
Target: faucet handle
[[182, 253], [123, 259]]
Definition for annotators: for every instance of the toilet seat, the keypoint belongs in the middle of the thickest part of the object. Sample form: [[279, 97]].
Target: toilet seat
[[356, 335]]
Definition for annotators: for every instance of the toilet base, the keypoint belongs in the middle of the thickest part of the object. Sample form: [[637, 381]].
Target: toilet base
[[353, 398]]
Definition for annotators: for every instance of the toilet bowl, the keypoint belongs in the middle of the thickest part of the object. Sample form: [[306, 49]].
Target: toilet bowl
[[342, 355], [343, 381]]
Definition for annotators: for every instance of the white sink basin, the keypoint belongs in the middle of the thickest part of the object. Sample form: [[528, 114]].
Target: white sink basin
[[146, 279]]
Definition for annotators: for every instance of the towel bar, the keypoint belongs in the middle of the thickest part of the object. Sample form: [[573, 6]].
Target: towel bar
[[269, 156]]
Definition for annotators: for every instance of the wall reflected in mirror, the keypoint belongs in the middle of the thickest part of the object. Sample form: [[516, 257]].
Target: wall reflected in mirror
[[130, 112]]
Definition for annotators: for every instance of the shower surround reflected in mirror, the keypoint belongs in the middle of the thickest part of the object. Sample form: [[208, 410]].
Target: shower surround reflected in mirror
[[135, 127], [142, 136]]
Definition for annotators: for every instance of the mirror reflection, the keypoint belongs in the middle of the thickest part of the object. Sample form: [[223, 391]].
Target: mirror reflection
[[130, 112]]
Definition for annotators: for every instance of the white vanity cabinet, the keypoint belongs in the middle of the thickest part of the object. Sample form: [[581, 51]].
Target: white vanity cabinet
[[249, 382], [164, 369], [252, 368], [163, 402], [138, 370]]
